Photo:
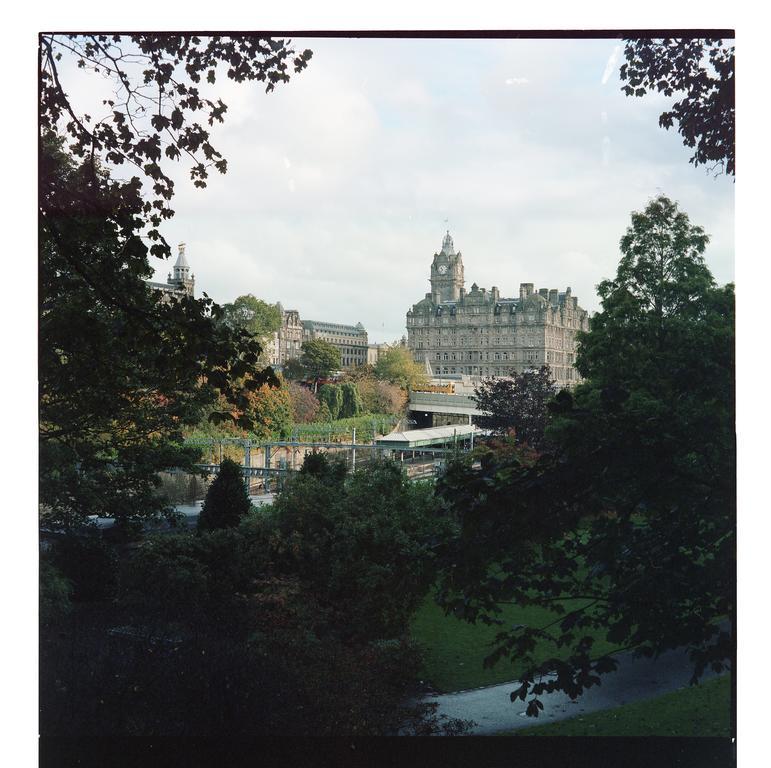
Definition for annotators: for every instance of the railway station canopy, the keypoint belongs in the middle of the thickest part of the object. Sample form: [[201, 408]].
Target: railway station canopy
[[433, 437]]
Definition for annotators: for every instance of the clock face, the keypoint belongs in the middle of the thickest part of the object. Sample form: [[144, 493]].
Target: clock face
[[442, 269]]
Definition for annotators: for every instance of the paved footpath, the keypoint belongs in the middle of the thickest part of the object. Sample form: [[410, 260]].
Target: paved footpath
[[634, 680]]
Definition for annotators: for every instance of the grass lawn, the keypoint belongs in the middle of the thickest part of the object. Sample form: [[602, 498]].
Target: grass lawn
[[454, 649], [703, 710]]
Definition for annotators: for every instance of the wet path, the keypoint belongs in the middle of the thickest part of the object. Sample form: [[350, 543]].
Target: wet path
[[634, 680]]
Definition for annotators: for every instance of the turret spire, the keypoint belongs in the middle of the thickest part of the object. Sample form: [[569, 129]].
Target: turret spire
[[448, 248]]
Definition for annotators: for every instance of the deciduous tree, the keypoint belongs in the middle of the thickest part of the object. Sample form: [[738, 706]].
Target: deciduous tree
[[396, 366], [352, 404], [382, 397], [305, 405], [701, 74], [121, 372], [319, 359], [631, 515], [270, 410], [332, 396], [517, 404], [254, 316], [157, 95]]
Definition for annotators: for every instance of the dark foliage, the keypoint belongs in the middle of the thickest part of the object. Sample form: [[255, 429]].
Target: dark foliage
[[89, 565], [631, 515], [227, 500], [332, 396], [121, 373], [364, 545], [159, 91], [206, 641], [352, 404], [319, 358], [517, 405], [701, 73]]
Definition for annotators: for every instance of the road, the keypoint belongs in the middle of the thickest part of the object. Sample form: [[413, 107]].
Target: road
[[634, 680]]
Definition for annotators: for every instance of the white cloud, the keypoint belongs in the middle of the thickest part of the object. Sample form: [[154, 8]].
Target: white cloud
[[339, 181], [516, 81]]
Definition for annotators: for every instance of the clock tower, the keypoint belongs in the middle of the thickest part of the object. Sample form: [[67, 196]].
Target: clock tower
[[446, 273]]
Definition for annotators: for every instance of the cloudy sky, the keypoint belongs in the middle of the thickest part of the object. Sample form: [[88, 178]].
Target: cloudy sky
[[340, 182]]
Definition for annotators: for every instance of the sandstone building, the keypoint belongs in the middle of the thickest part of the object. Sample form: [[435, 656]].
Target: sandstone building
[[480, 333], [287, 341], [351, 340], [180, 281]]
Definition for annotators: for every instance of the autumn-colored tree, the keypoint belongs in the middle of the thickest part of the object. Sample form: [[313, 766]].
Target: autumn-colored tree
[[382, 397], [271, 410], [396, 366], [305, 405]]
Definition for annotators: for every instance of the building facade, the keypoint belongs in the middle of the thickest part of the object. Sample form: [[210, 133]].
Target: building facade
[[480, 333], [375, 350], [180, 282], [288, 340], [351, 340]]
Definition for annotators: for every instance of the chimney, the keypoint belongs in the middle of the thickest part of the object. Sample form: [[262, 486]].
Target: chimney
[[554, 297], [543, 292]]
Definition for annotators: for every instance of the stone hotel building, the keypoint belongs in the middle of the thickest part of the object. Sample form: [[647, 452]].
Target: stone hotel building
[[351, 340], [481, 333]]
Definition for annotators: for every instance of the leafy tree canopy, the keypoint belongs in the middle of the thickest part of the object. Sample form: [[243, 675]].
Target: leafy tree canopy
[[516, 404], [352, 403], [270, 411], [294, 370], [627, 525], [122, 373], [397, 366], [363, 544], [252, 315], [701, 73], [305, 405], [319, 358], [332, 396], [159, 95]]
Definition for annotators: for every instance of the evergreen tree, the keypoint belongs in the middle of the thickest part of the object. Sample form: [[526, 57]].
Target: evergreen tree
[[352, 404], [227, 500], [332, 395], [324, 413]]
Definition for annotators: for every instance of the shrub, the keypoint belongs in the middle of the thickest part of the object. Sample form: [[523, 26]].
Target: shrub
[[55, 592], [88, 564], [226, 500]]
